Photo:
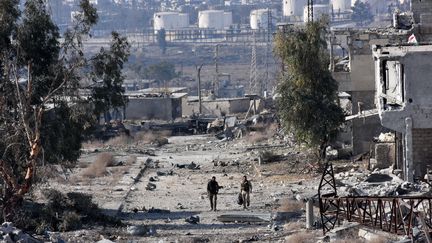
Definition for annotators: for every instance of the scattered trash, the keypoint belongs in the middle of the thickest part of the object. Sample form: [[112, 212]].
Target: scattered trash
[[191, 166], [150, 186], [161, 173], [140, 230], [193, 219], [153, 179], [180, 206]]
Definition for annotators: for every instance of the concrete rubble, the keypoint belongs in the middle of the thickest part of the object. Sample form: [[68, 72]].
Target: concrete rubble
[[385, 182], [244, 218], [140, 230], [193, 220], [10, 234]]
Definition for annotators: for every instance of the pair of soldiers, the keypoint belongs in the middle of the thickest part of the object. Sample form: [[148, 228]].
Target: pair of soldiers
[[213, 189]]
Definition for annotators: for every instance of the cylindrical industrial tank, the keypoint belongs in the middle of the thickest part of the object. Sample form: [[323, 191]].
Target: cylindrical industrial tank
[[293, 7], [227, 19], [259, 18], [214, 19], [170, 20], [341, 5], [184, 20], [318, 11]]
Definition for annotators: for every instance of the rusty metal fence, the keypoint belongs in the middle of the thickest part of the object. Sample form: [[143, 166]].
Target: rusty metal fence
[[398, 215]]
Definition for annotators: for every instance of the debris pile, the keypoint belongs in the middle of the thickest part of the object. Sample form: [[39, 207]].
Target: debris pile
[[193, 220], [191, 166], [385, 182], [140, 230], [8, 233]]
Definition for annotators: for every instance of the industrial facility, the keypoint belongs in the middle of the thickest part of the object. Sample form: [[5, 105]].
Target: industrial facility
[[262, 18], [214, 19], [170, 21], [153, 124]]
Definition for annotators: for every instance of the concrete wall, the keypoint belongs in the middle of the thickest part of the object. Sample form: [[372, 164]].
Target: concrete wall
[[344, 80], [422, 150], [419, 7], [217, 107], [364, 129], [412, 116], [153, 108], [362, 72], [417, 83], [361, 76]]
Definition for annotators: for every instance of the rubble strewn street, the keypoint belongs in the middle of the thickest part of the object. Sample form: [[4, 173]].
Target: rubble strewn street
[[163, 197], [216, 121]]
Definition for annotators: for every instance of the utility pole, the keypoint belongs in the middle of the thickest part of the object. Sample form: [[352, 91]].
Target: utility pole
[[198, 68], [216, 79], [331, 51], [310, 11], [268, 43], [253, 78]]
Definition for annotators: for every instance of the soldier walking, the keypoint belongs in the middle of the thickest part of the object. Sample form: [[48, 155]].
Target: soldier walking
[[212, 190], [246, 188]]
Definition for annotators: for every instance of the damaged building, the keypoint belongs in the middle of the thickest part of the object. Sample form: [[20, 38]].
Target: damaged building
[[404, 103], [353, 67], [354, 71]]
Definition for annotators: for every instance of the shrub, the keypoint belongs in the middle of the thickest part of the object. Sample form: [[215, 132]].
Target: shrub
[[70, 221], [98, 167]]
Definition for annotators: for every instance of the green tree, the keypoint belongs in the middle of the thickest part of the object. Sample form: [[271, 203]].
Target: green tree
[[308, 104], [161, 72], [42, 117], [362, 13], [107, 75]]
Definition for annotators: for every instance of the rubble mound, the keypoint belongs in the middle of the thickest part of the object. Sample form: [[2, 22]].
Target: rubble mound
[[385, 182], [9, 233]]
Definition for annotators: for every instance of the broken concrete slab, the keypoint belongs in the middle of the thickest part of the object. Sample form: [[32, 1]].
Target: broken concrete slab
[[347, 229], [191, 166], [379, 178], [164, 173], [285, 216], [140, 230], [105, 241], [244, 217], [373, 235], [157, 210]]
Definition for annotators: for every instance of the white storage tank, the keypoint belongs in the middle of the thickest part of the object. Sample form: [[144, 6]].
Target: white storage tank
[[214, 19], [259, 18], [227, 19], [318, 11], [341, 5], [293, 7], [170, 20]]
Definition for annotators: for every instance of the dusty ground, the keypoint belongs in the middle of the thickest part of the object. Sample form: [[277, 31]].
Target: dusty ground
[[122, 192]]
